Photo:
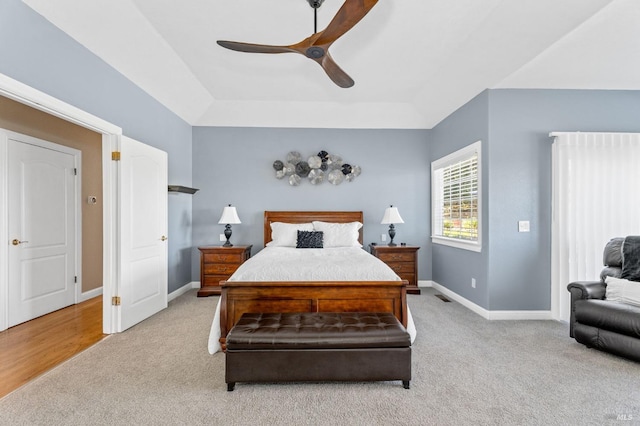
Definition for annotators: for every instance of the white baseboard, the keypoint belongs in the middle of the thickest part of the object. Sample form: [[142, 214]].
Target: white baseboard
[[491, 315], [176, 293], [182, 290], [89, 294]]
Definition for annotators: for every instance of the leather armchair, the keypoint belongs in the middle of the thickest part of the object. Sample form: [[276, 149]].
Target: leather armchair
[[601, 324]]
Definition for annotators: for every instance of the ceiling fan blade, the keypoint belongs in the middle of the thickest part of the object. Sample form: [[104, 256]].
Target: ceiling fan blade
[[335, 73], [255, 48], [351, 12]]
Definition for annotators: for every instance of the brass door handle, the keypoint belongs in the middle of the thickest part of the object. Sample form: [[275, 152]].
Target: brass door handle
[[163, 238], [16, 241]]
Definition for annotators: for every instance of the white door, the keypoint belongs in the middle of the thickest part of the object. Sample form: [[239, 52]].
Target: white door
[[42, 217], [143, 226]]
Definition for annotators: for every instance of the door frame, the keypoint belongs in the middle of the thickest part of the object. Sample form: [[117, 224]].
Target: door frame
[[111, 135], [556, 289]]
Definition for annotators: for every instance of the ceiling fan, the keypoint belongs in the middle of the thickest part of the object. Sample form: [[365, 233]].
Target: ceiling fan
[[317, 45]]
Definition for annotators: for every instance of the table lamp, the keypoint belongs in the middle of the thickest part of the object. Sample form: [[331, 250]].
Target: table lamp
[[229, 217], [391, 216]]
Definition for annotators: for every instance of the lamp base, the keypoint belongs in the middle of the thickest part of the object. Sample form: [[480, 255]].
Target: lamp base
[[392, 234], [227, 233]]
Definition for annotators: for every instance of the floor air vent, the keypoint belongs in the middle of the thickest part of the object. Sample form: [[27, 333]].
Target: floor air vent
[[442, 297]]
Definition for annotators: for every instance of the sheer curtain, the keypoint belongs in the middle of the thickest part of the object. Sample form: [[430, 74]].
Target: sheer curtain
[[596, 196]]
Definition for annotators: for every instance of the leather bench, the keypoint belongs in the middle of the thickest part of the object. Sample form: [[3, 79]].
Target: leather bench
[[317, 346]]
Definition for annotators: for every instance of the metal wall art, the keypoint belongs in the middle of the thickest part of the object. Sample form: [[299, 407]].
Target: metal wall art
[[316, 169]]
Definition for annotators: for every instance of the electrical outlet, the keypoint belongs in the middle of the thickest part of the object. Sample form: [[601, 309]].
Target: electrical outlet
[[473, 283], [523, 226], [383, 237], [222, 237]]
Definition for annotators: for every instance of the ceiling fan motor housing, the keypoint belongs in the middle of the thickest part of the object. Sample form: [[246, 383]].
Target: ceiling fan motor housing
[[315, 52]]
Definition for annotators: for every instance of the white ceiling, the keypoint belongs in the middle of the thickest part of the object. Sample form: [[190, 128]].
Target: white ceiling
[[414, 61]]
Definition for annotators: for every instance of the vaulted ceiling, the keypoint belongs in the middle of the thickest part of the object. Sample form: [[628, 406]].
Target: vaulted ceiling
[[414, 62]]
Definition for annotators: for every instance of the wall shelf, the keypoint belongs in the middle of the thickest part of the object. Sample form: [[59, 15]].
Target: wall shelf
[[184, 189]]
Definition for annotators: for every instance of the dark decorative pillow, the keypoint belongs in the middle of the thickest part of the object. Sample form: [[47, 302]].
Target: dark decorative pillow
[[309, 239], [631, 258]]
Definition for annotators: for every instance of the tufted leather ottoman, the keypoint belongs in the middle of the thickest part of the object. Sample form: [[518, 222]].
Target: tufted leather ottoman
[[318, 346]]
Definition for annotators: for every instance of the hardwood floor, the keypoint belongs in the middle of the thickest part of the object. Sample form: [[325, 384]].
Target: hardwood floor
[[34, 347]]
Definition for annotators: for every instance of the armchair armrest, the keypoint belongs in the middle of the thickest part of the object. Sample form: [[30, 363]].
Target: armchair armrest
[[583, 290], [587, 289]]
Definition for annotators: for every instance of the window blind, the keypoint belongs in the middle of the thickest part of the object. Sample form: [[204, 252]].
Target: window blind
[[456, 197]]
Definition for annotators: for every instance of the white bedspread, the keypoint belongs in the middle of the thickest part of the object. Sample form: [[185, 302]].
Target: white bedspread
[[290, 264], [329, 264]]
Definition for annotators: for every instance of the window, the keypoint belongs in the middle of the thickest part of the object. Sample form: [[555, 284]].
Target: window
[[455, 199]]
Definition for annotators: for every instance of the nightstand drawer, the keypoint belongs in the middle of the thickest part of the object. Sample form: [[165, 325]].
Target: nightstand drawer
[[236, 258], [409, 277], [400, 267], [397, 256], [220, 268]]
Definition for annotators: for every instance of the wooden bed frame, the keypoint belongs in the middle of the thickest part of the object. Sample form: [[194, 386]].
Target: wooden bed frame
[[239, 297]]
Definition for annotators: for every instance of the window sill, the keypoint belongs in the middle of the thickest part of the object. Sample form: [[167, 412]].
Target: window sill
[[461, 244]]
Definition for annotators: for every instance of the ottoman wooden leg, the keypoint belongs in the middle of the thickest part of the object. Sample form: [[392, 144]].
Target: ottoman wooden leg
[[405, 383], [231, 386]]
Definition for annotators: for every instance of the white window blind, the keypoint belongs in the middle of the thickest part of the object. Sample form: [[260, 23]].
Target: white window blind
[[456, 199], [595, 198]]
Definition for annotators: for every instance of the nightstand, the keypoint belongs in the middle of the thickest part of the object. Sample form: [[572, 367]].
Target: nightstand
[[217, 264], [403, 260]]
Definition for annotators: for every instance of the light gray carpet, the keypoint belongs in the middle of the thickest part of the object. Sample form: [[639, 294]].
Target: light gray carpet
[[466, 370]]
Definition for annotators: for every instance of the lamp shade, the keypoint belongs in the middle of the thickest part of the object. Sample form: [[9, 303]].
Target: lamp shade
[[391, 215], [229, 216]]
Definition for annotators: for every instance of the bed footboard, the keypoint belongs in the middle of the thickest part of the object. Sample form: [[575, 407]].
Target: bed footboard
[[239, 297]]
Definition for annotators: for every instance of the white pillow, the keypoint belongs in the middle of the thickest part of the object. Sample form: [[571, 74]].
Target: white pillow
[[621, 290], [339, 234], [286, 234]]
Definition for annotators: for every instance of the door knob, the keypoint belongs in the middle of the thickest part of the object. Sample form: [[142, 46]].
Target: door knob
[[16, 241], [163, 238]]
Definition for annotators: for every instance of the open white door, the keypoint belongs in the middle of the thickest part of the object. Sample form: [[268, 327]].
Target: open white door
[[143, 205]]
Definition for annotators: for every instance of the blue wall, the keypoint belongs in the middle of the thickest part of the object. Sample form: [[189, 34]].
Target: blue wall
[[514, 125], [454, 267], [36, 53], [234, 166], [521, 180]]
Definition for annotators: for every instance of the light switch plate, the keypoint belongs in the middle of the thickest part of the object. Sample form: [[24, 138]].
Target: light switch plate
[[523, 226], [222, 237]]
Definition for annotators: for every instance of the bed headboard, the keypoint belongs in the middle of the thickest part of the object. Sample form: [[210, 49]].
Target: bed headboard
[[303, 217]]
